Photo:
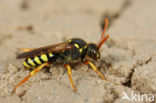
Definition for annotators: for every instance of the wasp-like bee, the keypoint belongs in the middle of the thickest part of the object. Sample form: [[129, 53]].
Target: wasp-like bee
[[67, 52]]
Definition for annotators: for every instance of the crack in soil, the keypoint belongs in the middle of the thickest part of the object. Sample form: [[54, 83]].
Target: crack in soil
[[144, 62], [112, 17], [25, 4], [128, 83]]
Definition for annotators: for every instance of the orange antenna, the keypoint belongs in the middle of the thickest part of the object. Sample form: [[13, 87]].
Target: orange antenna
[[103, 39]]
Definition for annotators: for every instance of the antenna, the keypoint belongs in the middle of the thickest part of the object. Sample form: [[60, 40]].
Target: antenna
[[103, 39]]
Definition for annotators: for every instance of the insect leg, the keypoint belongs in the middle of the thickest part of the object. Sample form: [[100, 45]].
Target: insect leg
[[95, 69], [25, 50], [69, 75], [31, 74]]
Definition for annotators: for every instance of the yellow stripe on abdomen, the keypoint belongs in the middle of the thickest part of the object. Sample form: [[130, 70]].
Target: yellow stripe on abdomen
[[26, 65], [44, 57], [31, 62], [37, 60]]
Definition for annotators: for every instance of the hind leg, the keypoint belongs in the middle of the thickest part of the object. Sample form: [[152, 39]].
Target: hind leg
[[33, 72]]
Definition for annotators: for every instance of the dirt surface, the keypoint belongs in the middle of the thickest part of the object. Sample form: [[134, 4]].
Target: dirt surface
[[128, 58]]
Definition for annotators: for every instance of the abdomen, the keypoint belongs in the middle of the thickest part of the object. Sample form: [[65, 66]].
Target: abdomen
[[32, 62]]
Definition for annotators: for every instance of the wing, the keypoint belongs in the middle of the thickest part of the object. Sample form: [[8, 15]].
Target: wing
[[43, 50]]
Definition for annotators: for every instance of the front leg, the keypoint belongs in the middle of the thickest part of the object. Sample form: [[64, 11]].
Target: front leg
[[95, 69], [33, 72]]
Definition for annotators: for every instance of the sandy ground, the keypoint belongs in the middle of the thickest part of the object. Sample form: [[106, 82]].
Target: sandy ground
[[128, 58]]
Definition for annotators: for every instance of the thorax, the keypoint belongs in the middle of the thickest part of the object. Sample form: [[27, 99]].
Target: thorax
[[79, 50]]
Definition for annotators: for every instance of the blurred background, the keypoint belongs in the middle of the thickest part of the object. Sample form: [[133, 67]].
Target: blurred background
[[127, 57]]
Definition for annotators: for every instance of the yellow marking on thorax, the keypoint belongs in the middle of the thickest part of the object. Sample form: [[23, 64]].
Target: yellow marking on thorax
[[80, 50], [31, 62], [76, 45], [26, 65], [85, 46], [44, 57], [37, 60], [50, 54]]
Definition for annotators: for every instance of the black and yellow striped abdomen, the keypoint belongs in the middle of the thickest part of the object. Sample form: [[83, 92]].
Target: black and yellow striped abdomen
[[38, 60]]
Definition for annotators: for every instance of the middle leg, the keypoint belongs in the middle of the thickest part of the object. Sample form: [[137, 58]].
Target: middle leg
[[69, 75]]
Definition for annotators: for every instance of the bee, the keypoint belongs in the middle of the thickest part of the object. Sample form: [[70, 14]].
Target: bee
[[72, 50]]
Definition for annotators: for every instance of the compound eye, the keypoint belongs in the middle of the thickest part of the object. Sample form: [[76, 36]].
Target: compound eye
[[94, 54]]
